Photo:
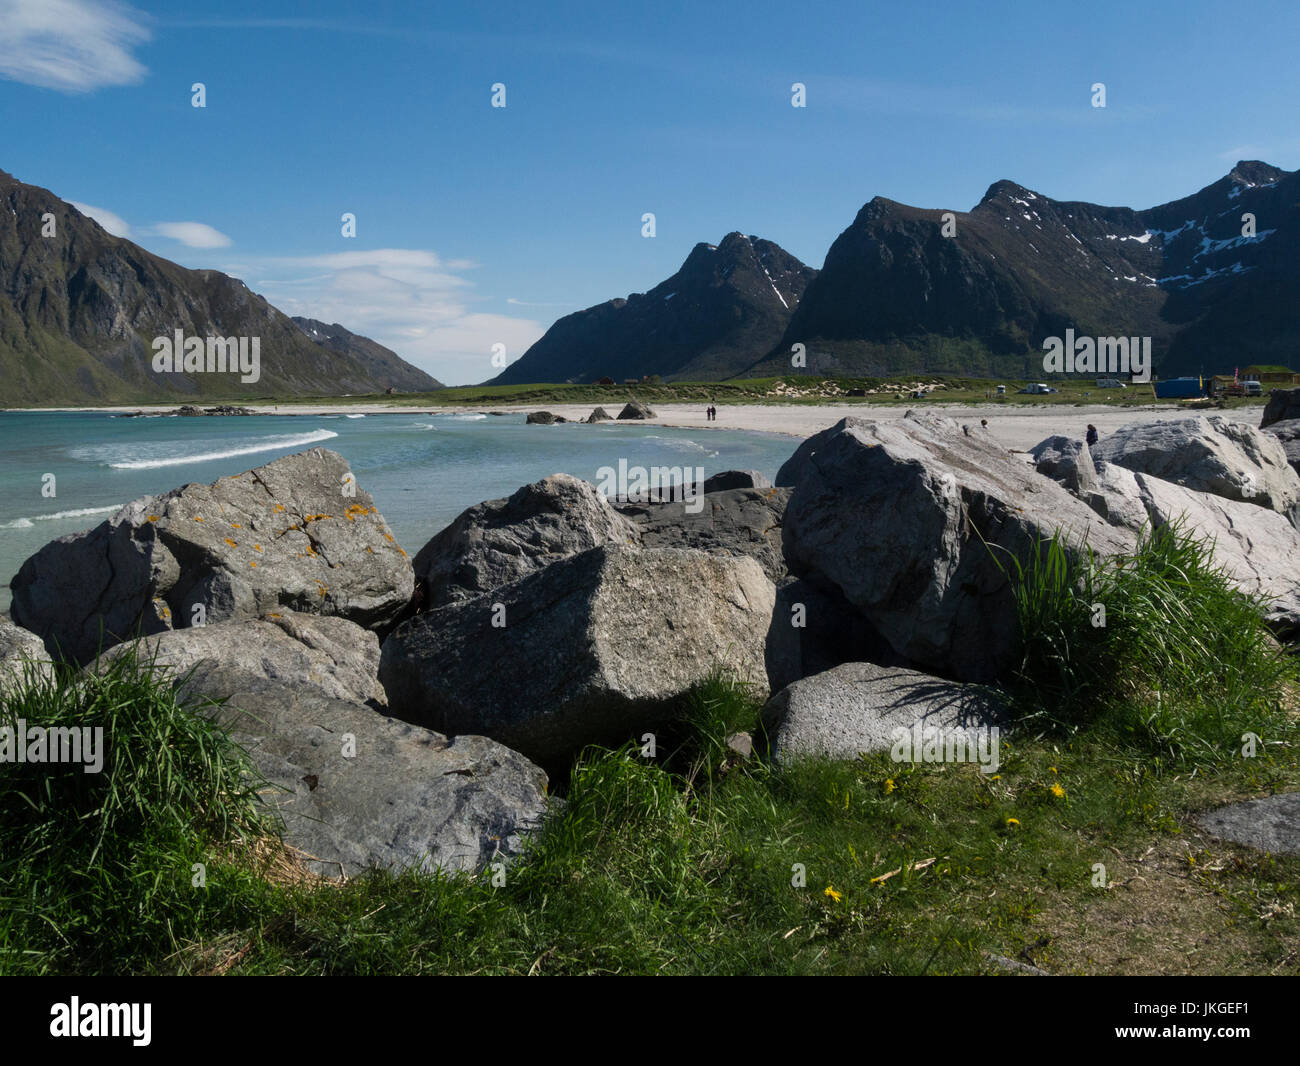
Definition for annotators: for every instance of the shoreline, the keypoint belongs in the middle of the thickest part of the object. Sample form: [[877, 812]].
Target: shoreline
[[1018, 426]]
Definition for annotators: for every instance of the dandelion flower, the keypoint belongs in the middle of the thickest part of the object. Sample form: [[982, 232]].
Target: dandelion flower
[[1013, 821], [1058, 791], [836, 896]]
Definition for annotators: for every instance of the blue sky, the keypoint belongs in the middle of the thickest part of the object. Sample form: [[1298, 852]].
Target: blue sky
[[479, 225]]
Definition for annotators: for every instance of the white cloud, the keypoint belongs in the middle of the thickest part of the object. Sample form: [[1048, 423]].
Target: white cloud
[[114, 224], [74, 46], [191, 234], [409, 300], [528, 303]]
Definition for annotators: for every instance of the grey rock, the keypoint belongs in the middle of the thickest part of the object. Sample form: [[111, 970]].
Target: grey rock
[[859, 707], [296, 534], [1120, 498], [587, 650], [22, 656], [736, 479], [1283, 405], [1257, 548], [636, 410], [544, 418], [1288, 433], [914, 522], [1067, 462], [1271, 824], [1209, 454], [600, 415], [733, 522], [408, 797], [494, 543], [332, 655]]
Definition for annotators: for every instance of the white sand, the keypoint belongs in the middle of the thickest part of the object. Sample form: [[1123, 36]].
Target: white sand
[[1018, 426]]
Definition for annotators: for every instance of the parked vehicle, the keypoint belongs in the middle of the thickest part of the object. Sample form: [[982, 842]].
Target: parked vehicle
[[1038, 389], [1110, 383]]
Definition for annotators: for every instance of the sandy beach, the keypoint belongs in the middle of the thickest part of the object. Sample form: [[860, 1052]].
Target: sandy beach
[[1020, 427]]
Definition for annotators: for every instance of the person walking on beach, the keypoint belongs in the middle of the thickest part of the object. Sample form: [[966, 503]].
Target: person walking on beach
[[1092, 435]]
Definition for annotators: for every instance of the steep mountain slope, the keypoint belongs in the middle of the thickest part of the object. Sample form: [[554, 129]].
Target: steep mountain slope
[[384, 362], [80, 309], [896, 294], [725, 305]]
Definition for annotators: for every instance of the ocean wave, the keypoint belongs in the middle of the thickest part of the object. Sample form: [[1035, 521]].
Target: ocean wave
[[468, 418], [681, 444], [80, 512], [354, 416], [251, 447]]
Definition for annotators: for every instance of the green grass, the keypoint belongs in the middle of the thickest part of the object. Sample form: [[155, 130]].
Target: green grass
[[889, 390], [688, 862], [94, 865], [1158, 648]]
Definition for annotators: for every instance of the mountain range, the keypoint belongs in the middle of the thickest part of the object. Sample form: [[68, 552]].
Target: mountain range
[[79, 309], [907, 289], [1212, 278]]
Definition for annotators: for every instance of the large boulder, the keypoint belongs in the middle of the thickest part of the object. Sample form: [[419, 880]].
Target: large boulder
[[915, 522], [1283, 405], [590, 649], [734, 522], [494, 543], [544, 418], [860, 707], [600, 415], [1067, 462], [357, 790], [296, 534], [1210, 454], [22, 656], [1256, 547], [635, 410], [331, 655], [1288, 433]]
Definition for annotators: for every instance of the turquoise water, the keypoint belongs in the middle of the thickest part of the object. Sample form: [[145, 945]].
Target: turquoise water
[[422, 469]]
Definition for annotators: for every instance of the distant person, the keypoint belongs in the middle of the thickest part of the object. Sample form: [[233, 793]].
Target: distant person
[[1092, 435]]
